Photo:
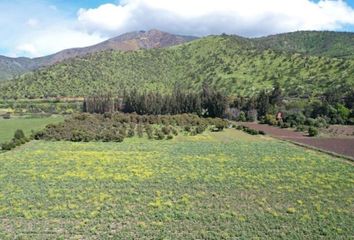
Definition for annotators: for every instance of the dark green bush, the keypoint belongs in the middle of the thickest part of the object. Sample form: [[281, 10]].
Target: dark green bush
[[159, 135], [19, 134], [200, 129], [7, 146], [300, 128], [166, 130], [174, 131], [313, 131], [187, 128]]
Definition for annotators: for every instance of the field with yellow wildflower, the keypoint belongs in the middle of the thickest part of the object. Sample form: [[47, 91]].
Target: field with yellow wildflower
[[223, 185]]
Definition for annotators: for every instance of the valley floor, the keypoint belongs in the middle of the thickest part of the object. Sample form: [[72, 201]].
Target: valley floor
[[225, 185]]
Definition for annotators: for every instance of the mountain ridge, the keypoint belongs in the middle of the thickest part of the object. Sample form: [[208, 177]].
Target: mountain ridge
[[228, 63], [131, 41]]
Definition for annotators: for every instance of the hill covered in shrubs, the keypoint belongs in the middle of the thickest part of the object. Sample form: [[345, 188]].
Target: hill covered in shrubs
[[237, 66]]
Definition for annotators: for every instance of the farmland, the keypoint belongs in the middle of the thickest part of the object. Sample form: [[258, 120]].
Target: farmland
[[210, 186], [27, 124]]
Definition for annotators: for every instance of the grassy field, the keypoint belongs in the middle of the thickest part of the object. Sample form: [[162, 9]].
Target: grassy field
[[9, 126], [226, 185]]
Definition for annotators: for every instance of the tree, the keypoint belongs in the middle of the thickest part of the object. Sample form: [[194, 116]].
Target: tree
[[263, 103], [276, 96]]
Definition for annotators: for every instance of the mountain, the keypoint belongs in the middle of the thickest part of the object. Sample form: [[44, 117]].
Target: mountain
[[319, 43], [10, 67], [236, 65]]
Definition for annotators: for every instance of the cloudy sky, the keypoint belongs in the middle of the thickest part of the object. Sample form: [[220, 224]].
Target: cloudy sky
[[35, 28]]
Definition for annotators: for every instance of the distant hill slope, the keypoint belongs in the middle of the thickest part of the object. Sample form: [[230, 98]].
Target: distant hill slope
[[233, 64], [10, 67], [319, 43]]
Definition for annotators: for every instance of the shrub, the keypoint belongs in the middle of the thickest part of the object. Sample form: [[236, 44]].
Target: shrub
[[252, 115], [241, 117], [166, 130], [285, 125], [111, 136], [320, 122], [6, 115], [220, 125], [250, 131], [131, 132], [174, 131], [187, 128], [295, 118], [300, 128], [269, 119], [140, 131], [7, 146], [169, 137], [148, 130], [81, 136], [200, 129], [123, 131], [159, 135], [19, 134], [313, 131], [239, 127], [310, 121]]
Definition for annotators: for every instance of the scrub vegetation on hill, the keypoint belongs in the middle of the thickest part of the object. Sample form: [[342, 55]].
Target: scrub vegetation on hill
[[238, 66]]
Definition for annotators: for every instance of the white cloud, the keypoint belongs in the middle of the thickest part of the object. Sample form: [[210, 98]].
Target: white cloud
[[203, 17], [40, 28], [27, 48], [55, 39]]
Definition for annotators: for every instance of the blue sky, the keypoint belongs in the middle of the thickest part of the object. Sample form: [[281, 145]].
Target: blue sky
[[35, 28]]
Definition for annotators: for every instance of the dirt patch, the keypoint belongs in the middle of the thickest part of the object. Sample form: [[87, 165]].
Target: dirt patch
[[339, 145], [338, 131]]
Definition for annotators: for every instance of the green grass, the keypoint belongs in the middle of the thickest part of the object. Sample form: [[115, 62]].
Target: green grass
[[212, 186], [9, 126]]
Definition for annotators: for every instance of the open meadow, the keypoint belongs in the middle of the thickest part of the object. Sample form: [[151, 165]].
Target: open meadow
[[223, 185], [26, 123]]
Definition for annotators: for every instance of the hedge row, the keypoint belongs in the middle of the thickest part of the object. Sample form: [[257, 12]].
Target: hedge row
[[114, 127]]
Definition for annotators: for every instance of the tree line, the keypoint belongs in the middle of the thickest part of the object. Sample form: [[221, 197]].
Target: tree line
[[208, 102]]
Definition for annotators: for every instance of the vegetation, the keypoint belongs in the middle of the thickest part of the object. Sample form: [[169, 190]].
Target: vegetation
[[207, 103], [234, 65], [52, 106], [27, 123], [313, 131], [18, 139], [249, 130], [334, 107], [319, 43], [114, 127], [210, 186]]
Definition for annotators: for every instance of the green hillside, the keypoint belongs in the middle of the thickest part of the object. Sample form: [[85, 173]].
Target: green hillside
[[319, 43], [235, 65]]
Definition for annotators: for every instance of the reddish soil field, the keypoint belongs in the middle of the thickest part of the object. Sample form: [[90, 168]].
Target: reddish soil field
[[342, 146]]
